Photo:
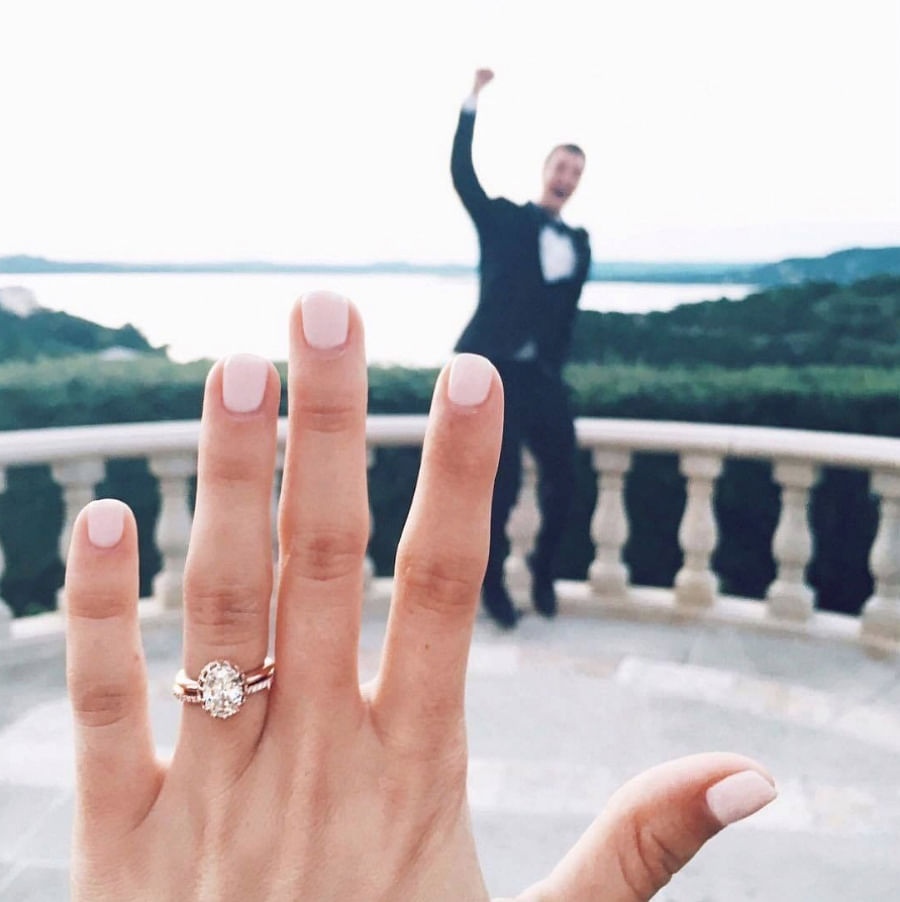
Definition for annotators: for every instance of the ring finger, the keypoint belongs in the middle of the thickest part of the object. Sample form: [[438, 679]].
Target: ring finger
[[228, 573]]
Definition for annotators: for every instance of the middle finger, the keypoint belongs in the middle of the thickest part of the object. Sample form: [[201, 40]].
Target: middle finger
[[323, 522]]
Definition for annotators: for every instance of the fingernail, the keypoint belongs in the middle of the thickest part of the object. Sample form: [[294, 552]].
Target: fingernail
[[244, 379], [739, 796], [326, 316], [105, 521], [470, 379]]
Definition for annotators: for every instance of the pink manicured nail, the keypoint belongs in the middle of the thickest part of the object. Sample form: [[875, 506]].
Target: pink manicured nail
[[326, 316], [105, 521], [739, 796], [470, 379], [244, 380]]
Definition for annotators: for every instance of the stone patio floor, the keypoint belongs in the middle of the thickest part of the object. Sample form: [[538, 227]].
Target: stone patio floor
[[560, 713]]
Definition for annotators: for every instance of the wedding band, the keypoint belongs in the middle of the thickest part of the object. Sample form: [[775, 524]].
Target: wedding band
[[221, 688]]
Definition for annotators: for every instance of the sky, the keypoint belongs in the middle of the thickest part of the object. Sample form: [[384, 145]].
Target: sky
[[321, 132]]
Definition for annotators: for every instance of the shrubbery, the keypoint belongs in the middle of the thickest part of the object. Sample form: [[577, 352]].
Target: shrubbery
[[815, 323]]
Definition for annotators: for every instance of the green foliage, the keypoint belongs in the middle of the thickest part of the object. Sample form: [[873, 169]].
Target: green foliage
[[83, 390], [814, 323], [848, 265], [47, 333]]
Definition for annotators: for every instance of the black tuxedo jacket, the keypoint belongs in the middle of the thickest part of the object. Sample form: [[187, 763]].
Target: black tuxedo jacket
[[515, 304]]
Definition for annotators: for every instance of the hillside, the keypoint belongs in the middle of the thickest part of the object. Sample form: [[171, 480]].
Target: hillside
[[842, 266], [813, 323], [49, 333]]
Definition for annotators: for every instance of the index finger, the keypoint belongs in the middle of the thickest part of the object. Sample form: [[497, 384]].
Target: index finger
[[443, 553]]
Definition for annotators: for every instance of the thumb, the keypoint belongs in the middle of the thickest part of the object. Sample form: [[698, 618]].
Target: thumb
[[653, 826]]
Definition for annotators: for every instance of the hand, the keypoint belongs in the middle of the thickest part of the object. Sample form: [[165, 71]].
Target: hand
[[482, 77], [320, 789]]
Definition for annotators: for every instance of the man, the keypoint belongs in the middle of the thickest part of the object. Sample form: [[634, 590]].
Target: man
[[533, 267]]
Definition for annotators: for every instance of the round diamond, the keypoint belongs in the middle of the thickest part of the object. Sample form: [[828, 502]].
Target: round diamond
[[222, 688]]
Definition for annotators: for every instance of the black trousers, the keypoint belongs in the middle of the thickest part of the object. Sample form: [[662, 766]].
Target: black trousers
[[537, 413]]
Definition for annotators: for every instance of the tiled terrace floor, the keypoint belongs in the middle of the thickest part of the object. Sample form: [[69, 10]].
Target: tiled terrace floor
[[559, 715]]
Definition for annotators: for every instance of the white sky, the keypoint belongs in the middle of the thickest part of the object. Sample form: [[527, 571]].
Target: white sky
[[320, 131]]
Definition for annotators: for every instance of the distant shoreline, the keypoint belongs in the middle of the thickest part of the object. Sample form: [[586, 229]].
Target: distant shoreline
[[841, 266], [600, 271]]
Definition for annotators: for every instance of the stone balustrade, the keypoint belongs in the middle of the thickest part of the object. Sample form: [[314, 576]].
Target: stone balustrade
[[77, 460]]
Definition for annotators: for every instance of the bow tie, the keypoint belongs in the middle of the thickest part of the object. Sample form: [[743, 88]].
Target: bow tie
[[558, 226]]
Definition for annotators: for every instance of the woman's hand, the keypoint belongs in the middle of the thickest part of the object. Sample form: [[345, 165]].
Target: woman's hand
[[320, 789]]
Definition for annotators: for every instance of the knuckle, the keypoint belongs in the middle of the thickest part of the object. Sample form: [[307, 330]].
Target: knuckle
[[229, 605], [441, 583], [225, 467], [647, 864], [327, 553], [330, 415], [96, 602], [100, 704]]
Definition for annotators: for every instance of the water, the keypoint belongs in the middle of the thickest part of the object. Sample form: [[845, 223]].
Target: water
[[412, 320]]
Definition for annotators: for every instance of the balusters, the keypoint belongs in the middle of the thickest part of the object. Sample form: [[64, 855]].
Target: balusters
[[368, 563], [77, 478], [881, 614], [522, 529], [277, 480], [608, 575], [173, 528], [5, 612], [789, 596], [696, 585]]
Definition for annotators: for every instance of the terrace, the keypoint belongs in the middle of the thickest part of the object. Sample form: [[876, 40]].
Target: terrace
[[562, 712]]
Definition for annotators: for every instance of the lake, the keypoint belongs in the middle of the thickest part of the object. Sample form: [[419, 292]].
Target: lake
[[412, 320]]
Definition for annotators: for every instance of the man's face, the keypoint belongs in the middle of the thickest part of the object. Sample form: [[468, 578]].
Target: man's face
[[562, 172]]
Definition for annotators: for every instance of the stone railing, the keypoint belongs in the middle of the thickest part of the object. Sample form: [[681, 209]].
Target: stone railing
[[77, 458]]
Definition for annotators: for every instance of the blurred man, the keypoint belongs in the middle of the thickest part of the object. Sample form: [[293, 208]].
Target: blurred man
[[533, 267]]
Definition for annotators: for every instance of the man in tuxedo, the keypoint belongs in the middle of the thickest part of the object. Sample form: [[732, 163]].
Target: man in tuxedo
[[533, 267]]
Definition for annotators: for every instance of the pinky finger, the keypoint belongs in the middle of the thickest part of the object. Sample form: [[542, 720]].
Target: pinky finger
[[114, 757]]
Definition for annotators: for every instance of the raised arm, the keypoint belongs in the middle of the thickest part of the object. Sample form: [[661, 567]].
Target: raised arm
[[465, 181]]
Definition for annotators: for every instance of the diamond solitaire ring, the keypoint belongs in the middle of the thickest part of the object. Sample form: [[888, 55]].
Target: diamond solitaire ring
[[221, 688]]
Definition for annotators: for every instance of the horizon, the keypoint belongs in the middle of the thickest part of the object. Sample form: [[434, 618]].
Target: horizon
[[596, 261]]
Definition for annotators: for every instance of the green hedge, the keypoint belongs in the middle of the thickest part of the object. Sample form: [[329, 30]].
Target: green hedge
[[82, 390]]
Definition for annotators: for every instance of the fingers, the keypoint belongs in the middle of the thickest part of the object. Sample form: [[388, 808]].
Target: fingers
[[443, 554], [228, 574], [324, 514], [107, 677], [653, 826]]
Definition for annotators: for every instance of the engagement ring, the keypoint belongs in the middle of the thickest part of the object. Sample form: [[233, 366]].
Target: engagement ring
[[221, 688]]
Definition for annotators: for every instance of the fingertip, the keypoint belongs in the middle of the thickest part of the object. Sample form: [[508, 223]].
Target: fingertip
[[470, 379], [242, 385], [465, 423], [740, 795], [106, 518], [245, 379], [325, 320], [102, 562]]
